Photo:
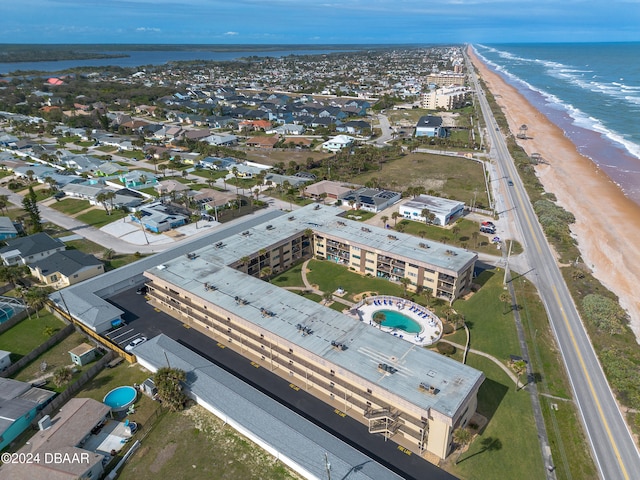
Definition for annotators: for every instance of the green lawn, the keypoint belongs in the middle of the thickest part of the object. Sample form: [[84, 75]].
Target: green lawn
[[98, 218], [209, 174], [290, 278], [135, 154], [57, 356], [329, 276], [28, 334], [490, 322], [508, 447], [71, 206], [196, 442]]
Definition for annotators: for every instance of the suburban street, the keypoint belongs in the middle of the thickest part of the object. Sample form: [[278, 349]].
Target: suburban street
[[613, 447]]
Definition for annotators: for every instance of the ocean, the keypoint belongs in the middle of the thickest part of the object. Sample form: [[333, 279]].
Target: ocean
[[590, 90]]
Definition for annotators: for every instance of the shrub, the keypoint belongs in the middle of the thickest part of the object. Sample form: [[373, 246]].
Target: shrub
[[446, 348], [604, 313], [447, 328]]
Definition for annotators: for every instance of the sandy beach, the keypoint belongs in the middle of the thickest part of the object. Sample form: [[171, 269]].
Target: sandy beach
[[607, 223]]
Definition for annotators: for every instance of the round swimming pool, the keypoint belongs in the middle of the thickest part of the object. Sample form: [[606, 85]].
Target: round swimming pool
[[120, 398], [395, 319]]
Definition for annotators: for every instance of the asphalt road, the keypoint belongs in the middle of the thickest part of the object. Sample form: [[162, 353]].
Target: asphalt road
[[142, 318], [613, 447]]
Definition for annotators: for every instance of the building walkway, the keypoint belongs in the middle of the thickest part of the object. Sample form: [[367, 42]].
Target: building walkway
[[308, 286]]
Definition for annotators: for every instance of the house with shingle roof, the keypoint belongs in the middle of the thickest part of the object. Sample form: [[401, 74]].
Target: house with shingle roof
[[27, 250], [66, 268]]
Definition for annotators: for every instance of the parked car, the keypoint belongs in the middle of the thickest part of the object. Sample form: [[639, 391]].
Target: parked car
[[135, 343]]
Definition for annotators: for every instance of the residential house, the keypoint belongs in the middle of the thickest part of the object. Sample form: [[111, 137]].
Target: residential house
[[430, 126], [19, 404], [64, 436], [355, 127], [28, 250], [221, 139], [327, 189], [170, 187], [445, 210], [277, 179], [337, 143], [263, 142], [288, 129], [157, 218], [138, 178], [217, 163], [7, 228], [372, 199], [65, 268]]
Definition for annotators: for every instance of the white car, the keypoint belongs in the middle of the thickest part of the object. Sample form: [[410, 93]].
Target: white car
[[135, 343]]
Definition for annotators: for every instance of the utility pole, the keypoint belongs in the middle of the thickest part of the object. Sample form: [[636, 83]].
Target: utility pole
[[506, 267], [327, 466]]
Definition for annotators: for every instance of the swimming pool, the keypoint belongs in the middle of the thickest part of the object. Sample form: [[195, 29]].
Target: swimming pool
[[395, 319], [120, 398]]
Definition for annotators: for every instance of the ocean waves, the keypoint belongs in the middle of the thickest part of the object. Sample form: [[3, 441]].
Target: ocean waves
[[584, 98]]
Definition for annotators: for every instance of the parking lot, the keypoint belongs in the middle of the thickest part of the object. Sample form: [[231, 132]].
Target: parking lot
[[142, 319]]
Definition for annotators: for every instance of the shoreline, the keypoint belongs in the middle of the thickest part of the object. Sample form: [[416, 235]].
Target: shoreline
[[607, 222]]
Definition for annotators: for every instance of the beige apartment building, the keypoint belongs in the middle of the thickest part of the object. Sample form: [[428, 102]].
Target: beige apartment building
[[445, 79], [409, 394], [445, 98]]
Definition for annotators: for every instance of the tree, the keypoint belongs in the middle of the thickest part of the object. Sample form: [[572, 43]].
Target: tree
[[405, 283], [266, 272], [36, 297], [428, 295], [455, 230], [462, 437], [12, 273], [384, 219], [139, 216], [475, 236], [170, 391], [194, 218], [4, 202], [30, 205], [62, 376], [327, 297], [505, 298], [101, 198], [108, 254], [519, 366], [395, 216]]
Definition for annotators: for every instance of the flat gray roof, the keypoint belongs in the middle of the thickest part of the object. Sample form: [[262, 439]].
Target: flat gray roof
[[367, 346], [288, 433], [325, 221], [434, 204]]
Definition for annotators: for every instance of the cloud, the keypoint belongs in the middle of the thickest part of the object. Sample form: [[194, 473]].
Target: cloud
[[230, 34], [147, 29]]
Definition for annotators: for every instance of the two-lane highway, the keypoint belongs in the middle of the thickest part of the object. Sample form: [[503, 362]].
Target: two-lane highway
[[613, 447]]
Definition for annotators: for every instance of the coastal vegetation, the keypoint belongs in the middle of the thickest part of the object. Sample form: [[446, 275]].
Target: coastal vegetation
[[613, 340]]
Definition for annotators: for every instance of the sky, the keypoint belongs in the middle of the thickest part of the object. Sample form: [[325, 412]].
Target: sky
[[318, 21]]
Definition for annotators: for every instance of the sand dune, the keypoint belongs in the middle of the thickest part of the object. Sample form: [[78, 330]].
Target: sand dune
[[607, 223]]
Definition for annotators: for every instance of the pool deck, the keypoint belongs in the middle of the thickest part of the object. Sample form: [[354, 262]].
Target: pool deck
[[430, 324]]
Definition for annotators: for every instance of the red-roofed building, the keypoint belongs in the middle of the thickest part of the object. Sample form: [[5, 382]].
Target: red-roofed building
[[54, 81]]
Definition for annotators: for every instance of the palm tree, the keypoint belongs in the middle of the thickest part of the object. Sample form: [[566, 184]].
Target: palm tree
[[455, 230], [12, 273], [101, 198], [505, 298], [139, 216], [169, 384], [266, 272], [194, 218], [384, 219], [395, 216], [245, 261], [405, 283], [462, 437], [62, 376], [110, 196], [327, 297], [428, 294], [36, 297], [424, 213], [519, 366]]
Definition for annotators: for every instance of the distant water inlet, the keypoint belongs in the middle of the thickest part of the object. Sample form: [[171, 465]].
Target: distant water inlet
[[401, 318], [120, 398]]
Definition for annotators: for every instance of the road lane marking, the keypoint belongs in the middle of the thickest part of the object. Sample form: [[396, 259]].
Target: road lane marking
[[590, 383]]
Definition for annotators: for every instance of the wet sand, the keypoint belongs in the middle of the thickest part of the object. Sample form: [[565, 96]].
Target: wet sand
[[607, 224]]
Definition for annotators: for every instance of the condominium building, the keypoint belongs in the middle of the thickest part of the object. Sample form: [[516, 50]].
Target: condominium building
[[410, 394], [443, 79], [445, 98]]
